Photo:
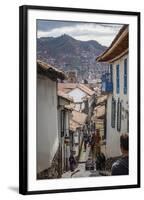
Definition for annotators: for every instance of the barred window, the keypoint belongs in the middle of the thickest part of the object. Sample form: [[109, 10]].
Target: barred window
[[113, 112], [119, 110]]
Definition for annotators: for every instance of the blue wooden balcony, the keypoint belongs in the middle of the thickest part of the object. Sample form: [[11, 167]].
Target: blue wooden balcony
[[107, 85]]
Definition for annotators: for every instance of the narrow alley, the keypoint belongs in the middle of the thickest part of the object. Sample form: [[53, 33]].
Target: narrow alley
[[80, 170]]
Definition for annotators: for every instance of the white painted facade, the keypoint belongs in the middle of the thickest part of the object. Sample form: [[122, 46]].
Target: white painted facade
[[47, 122], [78, 96], [76, 142], [113, 135]]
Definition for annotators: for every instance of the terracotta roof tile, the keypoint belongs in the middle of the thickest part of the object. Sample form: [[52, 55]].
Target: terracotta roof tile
[[67, 87], [99, 112], [101, 99], [65, 96], [74, 125], [50, 71], [79, 117]]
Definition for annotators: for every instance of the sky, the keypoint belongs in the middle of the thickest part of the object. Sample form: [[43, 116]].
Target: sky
[[102, 33]]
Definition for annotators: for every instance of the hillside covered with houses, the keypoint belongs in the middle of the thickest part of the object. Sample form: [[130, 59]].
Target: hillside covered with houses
[[69, 54]]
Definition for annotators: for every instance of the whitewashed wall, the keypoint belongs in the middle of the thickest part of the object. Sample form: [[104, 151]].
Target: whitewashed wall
[[77, 96], [76, 143], [113, 136], [47, 123]]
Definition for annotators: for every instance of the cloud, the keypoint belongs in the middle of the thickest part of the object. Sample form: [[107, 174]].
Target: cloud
[[47, 25], [103, 33]]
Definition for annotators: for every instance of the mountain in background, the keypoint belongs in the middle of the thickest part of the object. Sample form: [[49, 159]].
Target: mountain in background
[[67, 53]]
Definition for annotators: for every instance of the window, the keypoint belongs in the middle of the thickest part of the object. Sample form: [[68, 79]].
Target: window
[[62, 122], [111, 72], [125, 76], [117, 80], [119, 109], [113, 112]]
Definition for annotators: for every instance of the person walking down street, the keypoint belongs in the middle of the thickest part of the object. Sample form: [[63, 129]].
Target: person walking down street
[[93, 146], [85, 142], [72, 162], [85, 145], [89, 139], [121, 166], [97, 142]]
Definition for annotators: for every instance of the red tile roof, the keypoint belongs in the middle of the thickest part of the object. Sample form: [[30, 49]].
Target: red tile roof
[[77, 120], [79, 117], [49, 71], [65, 96], [67, 87]]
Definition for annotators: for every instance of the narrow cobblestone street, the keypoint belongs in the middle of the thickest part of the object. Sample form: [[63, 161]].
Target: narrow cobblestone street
[[80, 170]]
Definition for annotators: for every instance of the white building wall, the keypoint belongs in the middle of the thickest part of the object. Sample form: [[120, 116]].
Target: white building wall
[[76, 143], [77, 95], [47, 123], [113, 136]]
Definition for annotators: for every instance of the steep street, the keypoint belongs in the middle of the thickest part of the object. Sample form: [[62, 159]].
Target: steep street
[[80, 170]]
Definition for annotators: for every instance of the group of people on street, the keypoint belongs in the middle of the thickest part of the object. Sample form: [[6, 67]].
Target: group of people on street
[[119, 167], [97, 154], [94, 141]]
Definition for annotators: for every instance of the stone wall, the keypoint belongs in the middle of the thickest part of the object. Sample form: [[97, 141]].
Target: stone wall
[[53, 171]]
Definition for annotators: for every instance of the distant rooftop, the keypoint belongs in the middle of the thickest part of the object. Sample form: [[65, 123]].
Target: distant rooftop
[[65, 96], [67, 87], [77, 120]]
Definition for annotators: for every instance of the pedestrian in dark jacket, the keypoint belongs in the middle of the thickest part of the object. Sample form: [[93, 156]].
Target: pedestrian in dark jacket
[[100, 161], [72, 162], [85, 139], [97, 142], [121, 166]]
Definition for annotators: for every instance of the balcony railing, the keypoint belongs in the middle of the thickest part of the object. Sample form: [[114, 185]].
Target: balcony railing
[[107, 85]]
